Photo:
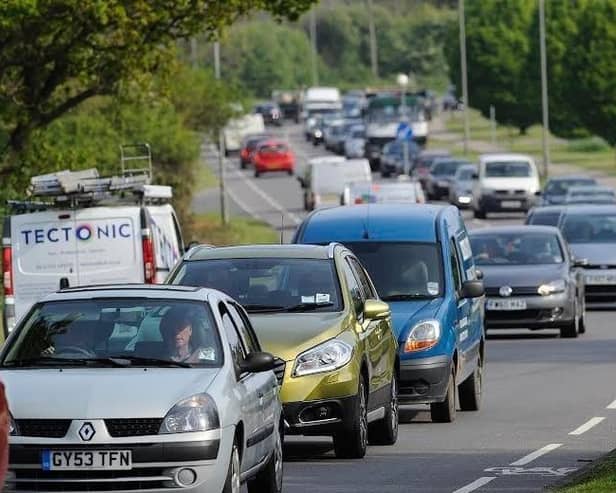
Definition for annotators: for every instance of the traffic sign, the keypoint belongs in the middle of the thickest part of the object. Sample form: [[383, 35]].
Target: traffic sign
[[404, 132]]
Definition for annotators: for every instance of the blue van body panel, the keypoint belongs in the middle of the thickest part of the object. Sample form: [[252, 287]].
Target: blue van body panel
[[424, 374]]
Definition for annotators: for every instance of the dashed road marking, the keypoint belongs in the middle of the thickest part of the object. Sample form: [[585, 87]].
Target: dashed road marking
[[591, 423], [612, 405], [536, 454], [475, 485]]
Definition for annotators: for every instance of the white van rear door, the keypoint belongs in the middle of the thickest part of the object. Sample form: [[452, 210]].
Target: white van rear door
[[109, 247], [167, 239], [44, 251]]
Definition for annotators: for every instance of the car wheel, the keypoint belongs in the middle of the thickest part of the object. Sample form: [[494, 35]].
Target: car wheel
[[257, 174], [445, 412], [479, 213], [385, 174], [470, 390], [269, 479], [232, 483], [351, 443], [290, 172], [385, 431], [582, 321]]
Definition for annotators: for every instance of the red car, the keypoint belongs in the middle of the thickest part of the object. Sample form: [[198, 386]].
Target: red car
[[249, 145], [273, 155]]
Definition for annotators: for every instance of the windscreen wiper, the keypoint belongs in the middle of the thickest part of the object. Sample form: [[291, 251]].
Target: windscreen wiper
[[140, 360], [405, 297], [264, 308], [51, 361], [305, 307]]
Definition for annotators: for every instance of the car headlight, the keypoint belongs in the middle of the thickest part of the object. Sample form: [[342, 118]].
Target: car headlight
[[318, 134], [196, 413], [552, 287], [13, 430], [328, 356], [423, 335]]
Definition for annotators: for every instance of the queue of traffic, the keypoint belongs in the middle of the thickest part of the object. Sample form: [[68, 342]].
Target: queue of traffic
[[381, 300]]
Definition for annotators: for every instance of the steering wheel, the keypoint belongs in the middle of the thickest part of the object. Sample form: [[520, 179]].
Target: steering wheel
[[76, 349]]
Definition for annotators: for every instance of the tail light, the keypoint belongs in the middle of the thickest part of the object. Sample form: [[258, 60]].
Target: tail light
[[359, 200], [7, 270], [149, 266]]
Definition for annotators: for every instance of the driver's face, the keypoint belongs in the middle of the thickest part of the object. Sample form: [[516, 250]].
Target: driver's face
[[179, 337]]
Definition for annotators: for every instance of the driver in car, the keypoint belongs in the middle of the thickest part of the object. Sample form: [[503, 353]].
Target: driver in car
[[179, 338]]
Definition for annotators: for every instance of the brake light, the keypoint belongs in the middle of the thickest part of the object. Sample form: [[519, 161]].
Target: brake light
[[149, 270], [7, 270], [359, 200]]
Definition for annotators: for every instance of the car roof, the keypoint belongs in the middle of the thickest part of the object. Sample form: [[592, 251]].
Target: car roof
[[497, 156], [570, 178], [152, 291], [388, 222], [514, 229], [435, 152], [577, 209], [315, 252]]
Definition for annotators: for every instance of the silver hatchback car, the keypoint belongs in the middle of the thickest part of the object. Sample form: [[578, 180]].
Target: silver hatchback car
[[126, 388]]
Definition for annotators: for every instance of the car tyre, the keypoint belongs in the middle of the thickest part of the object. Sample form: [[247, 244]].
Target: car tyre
[[385, 174], [582, 321], [269, 479], [233, 483], [243, 164], [257, 173], [351, 443], [570, 330], [470, 390], [385, 431], [445, 412], [290, 172], [479, 213]]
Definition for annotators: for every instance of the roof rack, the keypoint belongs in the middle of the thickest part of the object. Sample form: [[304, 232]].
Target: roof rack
[[130, 153]]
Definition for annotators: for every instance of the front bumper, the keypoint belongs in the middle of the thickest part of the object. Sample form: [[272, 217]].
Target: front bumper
[[320, 417], [505, 203], [542, 312], [424, 380], [155, 466]]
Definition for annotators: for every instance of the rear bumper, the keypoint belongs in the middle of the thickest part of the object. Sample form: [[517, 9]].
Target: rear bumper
[[424, 380]]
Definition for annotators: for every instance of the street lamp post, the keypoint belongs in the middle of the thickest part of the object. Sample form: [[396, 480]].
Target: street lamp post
[[463, 69], [544, 90], [403, 82]]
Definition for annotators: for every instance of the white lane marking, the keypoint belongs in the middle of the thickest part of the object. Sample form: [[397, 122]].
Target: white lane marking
[[475, 485], [591, 423], [536, 454], [612, 405]]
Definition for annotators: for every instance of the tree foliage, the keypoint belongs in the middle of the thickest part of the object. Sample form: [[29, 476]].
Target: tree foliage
[[55, 54]]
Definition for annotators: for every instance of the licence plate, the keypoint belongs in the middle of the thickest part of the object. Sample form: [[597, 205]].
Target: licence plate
[[601, 279], [494, 304], [511, 204], [91, 460]]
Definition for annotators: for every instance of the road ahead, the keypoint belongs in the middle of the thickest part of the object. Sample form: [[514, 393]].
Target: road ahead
[[549, 404]]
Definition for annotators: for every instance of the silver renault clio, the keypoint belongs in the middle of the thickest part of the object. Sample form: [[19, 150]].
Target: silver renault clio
[[126, 388]]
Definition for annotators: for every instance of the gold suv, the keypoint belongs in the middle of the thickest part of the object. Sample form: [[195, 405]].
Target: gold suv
[[316, 309]]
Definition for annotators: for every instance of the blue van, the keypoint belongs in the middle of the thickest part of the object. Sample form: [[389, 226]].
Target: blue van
[[420, 259]]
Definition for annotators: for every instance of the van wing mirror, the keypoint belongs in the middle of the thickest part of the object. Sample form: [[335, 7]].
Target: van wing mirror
[[64, 284], [257, 362], [376, 310], [579, 262], [302, 181], [472, 289], [475, 176]]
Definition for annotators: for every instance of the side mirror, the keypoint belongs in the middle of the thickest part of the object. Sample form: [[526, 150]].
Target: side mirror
[[538, 193], [190, 245], [301, 181], [472, 289], [475, 176], [64, 284], [479, 274], [257, 362], [376, 310], [579, 262]]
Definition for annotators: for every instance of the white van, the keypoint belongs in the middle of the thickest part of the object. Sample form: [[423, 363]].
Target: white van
[[86, 238], [326, 179], [240, 127], [505, 183]]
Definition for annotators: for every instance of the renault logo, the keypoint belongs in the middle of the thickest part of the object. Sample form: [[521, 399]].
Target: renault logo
[[505, 291], [87, 432]]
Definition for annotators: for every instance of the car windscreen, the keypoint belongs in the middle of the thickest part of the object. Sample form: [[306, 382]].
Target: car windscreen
[[269, 284], [328, 178], [465, 174], [358, 134], [561, 187], [402, 270], [590, 228], [508, 169], [544, 218], [516, 248], [273, 149], [445, 168], [117, 332]]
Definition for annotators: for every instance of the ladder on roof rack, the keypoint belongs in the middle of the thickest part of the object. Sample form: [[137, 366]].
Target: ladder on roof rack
[[130, 153]]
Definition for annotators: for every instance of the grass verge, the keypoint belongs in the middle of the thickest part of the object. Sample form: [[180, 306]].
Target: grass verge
[[208, 228], [598, 478], [590, 153], [205, 177]]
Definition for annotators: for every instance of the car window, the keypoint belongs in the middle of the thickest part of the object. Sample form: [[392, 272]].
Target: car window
[[268, 284], [507, 169], [354, 287], [238, 351], [516, 249], [366, 285], [123, 328], [455, 266], [544, 218], [587, 228], [244, 328]]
